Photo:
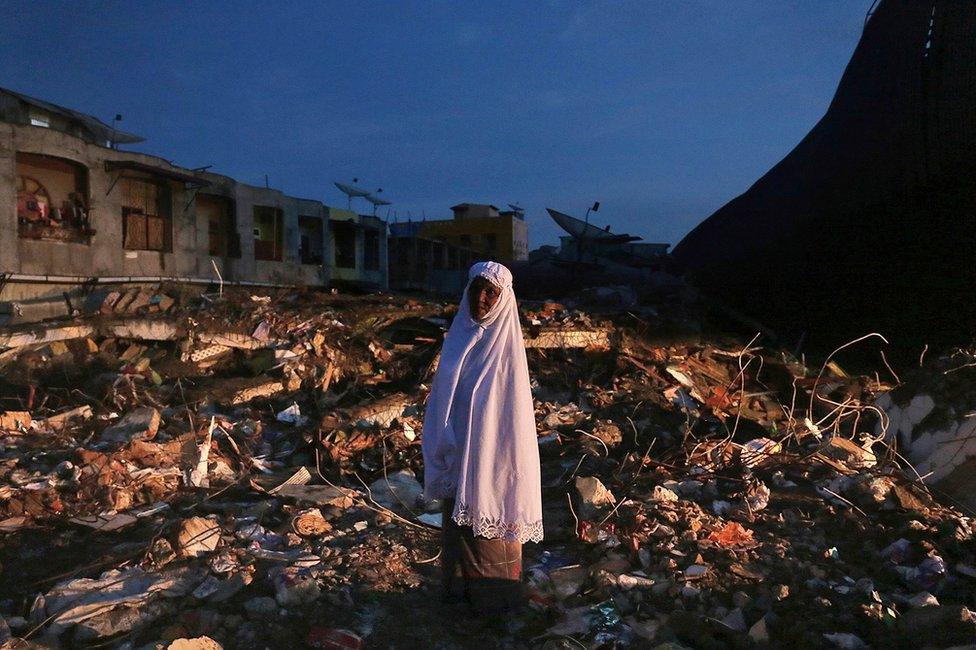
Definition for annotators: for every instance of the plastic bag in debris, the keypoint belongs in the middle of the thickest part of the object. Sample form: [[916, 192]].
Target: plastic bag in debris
[[292, 415], [606, 622]]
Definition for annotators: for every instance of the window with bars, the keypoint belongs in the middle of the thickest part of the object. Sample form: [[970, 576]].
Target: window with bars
[[147, 222]]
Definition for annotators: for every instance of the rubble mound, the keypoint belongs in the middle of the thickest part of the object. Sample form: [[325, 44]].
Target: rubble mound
[[243, 470]]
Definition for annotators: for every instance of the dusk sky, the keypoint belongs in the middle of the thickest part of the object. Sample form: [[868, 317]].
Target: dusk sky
[[662, 111]]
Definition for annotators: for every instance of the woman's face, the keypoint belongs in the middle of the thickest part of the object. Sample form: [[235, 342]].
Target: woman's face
[[482, 296]]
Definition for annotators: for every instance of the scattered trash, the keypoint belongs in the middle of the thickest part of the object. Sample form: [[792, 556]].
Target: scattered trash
[[247, 461]]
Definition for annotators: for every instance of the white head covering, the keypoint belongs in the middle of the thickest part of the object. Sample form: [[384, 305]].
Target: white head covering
[[479, 442]]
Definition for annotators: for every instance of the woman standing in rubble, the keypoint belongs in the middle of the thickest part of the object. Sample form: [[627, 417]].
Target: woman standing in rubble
[[481, 456]]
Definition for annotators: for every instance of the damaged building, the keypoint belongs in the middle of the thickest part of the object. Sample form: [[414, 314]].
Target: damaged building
[[427, 263], [82, 214], [495, 234], [868, 224]]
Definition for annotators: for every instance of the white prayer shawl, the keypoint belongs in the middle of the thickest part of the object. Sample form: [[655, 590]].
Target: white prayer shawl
[[479, 438]]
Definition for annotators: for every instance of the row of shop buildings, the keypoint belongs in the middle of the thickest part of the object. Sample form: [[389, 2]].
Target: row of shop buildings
[[81, 212]]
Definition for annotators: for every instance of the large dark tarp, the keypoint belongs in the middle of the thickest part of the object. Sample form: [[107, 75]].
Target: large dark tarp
[[868, 224]]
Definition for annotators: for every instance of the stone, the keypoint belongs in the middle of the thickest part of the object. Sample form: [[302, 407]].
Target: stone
[[261, 608], [197, 537], [940, 625], [647, 630], [661, 493], [741, 599], [780, 592], [736, 620], [696, 571], [630, 581], [139, 424], [608, 432], [845, 641], [593, 496], [923, 599], [758, 632]]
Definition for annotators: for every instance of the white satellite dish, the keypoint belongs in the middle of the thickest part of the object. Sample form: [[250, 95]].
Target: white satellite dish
[[376, 201], [351, 191]]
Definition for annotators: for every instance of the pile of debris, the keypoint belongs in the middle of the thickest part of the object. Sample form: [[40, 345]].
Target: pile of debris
[[238, 470]]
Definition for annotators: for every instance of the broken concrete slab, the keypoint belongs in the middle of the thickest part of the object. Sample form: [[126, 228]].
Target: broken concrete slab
[[146, 330], [40, 335]]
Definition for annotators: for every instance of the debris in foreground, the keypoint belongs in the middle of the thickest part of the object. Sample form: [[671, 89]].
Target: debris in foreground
[[235, 473]]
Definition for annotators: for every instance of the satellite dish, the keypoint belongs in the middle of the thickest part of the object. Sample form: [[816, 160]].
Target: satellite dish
[[375, 200], [351, 190]]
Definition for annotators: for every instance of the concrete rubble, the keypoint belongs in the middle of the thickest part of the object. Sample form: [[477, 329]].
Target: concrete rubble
[[238, 470]]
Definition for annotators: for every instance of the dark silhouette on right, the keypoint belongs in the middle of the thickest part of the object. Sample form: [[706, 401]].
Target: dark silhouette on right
[[868, 224]]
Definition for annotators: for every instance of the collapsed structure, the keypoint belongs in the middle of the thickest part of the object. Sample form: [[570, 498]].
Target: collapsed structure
[[868, 224], [241, 469], [83, 214]]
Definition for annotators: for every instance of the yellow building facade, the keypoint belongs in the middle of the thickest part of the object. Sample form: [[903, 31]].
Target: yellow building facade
[[499, 236]]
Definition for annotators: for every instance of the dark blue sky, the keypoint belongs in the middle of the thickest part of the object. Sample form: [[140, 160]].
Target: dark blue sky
[[661, 110]]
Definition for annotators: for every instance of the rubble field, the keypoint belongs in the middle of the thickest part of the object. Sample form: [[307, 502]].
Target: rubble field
[[238, 470]]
